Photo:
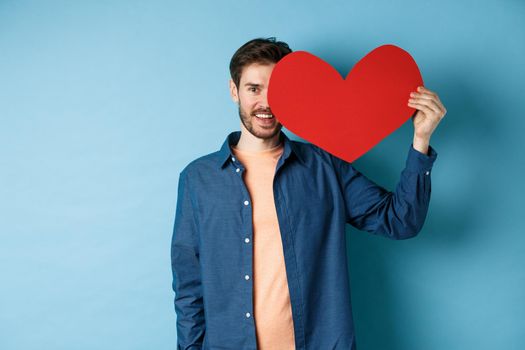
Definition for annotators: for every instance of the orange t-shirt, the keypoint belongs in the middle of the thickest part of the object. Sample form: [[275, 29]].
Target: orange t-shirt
[[272, 308]]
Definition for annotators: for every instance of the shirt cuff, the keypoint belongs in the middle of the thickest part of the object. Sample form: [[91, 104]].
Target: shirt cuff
[[420, 162]]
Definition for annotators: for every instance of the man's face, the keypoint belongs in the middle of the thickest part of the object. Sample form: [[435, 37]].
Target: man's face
[[254, 112]]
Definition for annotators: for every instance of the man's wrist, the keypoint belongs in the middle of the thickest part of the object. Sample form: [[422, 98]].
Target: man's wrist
[[421, 143]]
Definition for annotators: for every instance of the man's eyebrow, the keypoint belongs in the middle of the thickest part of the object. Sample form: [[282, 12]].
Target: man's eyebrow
[[253, 84]]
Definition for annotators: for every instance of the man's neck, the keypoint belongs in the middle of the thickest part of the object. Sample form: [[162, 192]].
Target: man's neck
[[251, 143]]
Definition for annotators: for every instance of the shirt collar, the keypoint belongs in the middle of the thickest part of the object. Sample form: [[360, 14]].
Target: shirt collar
[[233, 138]]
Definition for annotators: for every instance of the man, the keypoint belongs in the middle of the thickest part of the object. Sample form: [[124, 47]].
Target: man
[[259, 248]]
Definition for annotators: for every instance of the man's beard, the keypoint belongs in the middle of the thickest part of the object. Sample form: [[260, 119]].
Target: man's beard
[[246, 120]]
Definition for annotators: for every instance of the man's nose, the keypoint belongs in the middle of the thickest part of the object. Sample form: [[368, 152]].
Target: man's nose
[[263, 102]]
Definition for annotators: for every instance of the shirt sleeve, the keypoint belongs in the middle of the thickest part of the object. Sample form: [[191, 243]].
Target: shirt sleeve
[[396, 215], [185, 266]]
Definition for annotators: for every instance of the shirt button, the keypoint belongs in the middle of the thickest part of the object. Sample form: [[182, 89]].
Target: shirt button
[[247, 240], [246, 202], [428, 172], [233, 159], [248, 315], [247, 277], [237, 170]]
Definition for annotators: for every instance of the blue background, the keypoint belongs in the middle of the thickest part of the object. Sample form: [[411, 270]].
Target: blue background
[[102, 103]]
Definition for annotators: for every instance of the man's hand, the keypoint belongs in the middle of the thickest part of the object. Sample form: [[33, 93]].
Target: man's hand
[[429, 114]]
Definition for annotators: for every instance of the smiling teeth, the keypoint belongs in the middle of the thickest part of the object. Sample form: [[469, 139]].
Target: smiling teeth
[[264, 115]]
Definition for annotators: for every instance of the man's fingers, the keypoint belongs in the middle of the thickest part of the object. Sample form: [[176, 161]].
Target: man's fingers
[[423, 95], [426, 92], [427, 95], [430, 103], [421, 107]]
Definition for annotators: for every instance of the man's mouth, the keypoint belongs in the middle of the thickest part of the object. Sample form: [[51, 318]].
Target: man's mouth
[[265, 118], [264, 115]]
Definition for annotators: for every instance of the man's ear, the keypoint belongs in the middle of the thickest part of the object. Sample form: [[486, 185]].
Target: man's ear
[[233, 92]]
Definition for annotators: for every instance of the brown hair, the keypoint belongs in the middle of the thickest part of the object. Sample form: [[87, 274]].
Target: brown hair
[[260, 50]]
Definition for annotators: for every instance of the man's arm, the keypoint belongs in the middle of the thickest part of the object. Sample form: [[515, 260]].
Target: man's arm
[[397, 215], [185, 266]]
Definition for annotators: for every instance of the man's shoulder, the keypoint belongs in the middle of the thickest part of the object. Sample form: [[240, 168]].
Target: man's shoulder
[[310, 152], [204, 163]]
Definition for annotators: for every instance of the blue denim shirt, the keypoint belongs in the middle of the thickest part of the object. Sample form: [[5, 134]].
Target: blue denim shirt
[[315, 194]]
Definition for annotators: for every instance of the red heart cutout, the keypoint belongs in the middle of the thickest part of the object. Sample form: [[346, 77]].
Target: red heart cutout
[[345, 117]]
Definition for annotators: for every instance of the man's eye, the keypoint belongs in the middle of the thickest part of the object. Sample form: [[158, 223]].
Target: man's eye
[[253, 89]]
